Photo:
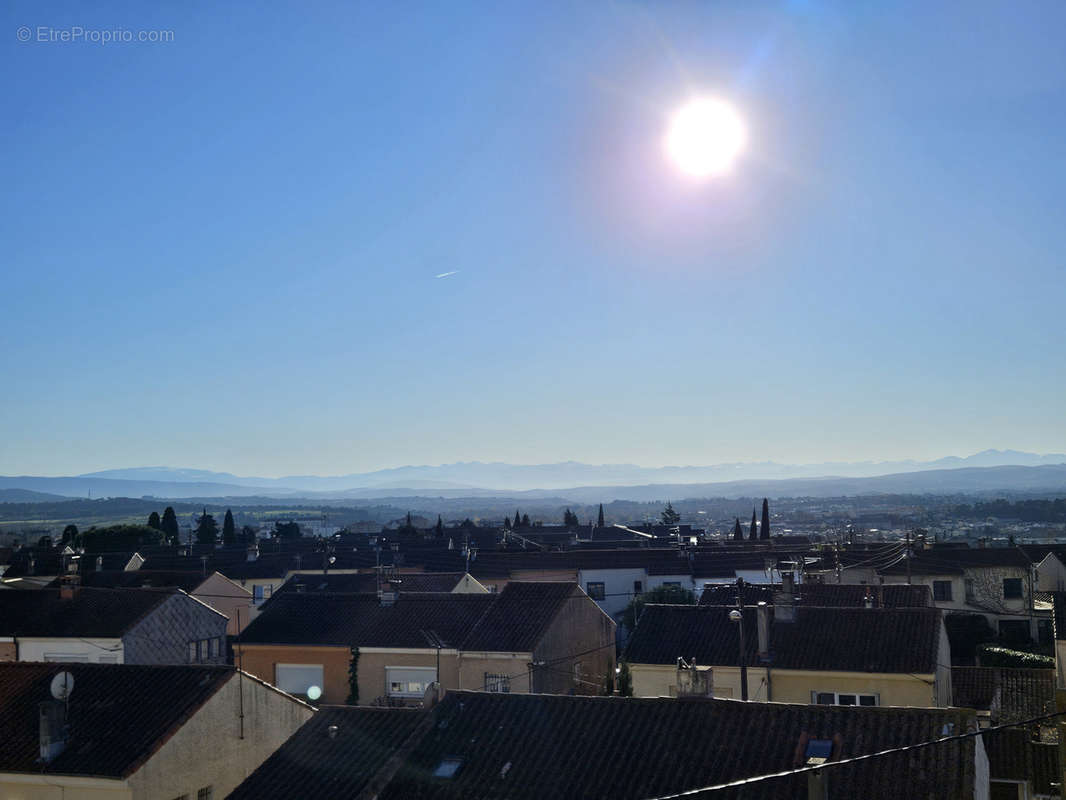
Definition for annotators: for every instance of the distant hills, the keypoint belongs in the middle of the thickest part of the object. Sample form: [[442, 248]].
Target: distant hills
[[990, 470]]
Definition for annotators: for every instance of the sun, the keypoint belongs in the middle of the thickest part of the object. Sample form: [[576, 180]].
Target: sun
[[705, 137]]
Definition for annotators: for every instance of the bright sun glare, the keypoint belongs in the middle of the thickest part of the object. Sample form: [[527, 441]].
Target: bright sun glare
[[705, 137]]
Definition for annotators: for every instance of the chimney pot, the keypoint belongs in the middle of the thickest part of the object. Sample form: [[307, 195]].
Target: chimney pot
[[763, 617]]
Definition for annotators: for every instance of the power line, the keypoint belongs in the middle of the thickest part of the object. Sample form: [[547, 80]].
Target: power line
[[856, 759]]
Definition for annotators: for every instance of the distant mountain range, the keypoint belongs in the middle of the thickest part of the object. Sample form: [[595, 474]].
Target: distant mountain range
[[990, 470]]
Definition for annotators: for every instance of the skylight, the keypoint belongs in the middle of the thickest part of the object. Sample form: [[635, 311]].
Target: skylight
[[447, 768]]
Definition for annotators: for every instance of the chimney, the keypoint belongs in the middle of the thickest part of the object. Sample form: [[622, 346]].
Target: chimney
[[53, 728], [386, 598], [762, 612], [68, 587], [99, 563], [31, 565], [785, 601], [868, 601], [253, 552]]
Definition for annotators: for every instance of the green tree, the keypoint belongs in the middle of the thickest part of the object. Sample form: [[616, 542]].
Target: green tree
[[206, 529], [249, 534], [608, 680], [738, 532], [517, 519], [670, 595], [353, 678], [764, 529], [153, 520], [753, 531], [119, 538], [229, 530], [169, 526], [570, 519], [525, 520], [625, 680], [286, 530], [669, 516], [438, 529], [599, 519], [70, 535]]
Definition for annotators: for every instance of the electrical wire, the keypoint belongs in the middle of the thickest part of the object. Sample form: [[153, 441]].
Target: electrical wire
[[855, 759]]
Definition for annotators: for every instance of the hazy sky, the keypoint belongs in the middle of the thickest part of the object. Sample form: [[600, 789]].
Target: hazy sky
[[220, 251]]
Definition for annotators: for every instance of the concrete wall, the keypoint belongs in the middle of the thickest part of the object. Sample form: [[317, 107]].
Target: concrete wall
[[208, 750], [578, 648], [8, 651], [474, 666], [94, 651], [260, 660], [373, 663], [617, 585], [1051, 574], [163, 636], [226, 597]]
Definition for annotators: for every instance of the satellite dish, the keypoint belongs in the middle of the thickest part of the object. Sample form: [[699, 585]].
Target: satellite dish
[[62, 686]]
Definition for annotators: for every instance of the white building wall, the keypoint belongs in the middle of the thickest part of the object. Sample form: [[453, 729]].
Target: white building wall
[[93, 651]]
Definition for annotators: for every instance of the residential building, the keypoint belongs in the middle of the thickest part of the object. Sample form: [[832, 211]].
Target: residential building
[[216, 590], [134, 732], [117, 626], [805, 654], [529, 747], [537, 636]]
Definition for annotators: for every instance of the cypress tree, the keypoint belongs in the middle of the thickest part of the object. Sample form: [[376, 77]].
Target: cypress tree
[[764, 531], [599, 520], [753, 532], [738, 532], [169, 526], [525, 520], [153, 520], [229, 530], [517, 519], [439, 527], [206, 529]]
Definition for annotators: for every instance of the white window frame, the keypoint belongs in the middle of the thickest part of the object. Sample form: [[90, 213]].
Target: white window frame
[[405, 677], [301, 690], [837, 695]]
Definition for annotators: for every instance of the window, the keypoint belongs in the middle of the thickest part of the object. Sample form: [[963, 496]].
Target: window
[[298, 678], [497, 683], [192, 652], [206, 793], [409, 681], [596, 590], [65, 657], [942, 590], [638, 587], [1012, 588], [843, 699], [257, 594], [970, 595], [213, 648], [674, 584]]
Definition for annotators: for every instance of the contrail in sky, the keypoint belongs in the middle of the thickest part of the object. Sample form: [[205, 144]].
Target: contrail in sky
[[446, 274]]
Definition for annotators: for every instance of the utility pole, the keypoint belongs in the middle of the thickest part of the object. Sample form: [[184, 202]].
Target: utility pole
[[908, 556]]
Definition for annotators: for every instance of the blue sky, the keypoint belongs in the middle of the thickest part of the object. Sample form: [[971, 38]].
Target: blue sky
[[220, 251]]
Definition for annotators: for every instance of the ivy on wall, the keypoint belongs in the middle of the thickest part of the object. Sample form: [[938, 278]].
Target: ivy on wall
[[353, 678]]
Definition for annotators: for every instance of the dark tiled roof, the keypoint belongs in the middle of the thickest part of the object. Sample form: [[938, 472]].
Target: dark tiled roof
[[535, 746], [346, 619], [511, 621], [845, 639], [894, 595], [140, 578], [315, 763], [1010, 694], [519, 617], [366, 583], [116, 717], [954, 560], [1013, 755], [91, 612]]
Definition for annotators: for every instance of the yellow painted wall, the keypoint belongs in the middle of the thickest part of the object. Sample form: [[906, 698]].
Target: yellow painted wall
[[28, 787], [260, 659], [791, 686]]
